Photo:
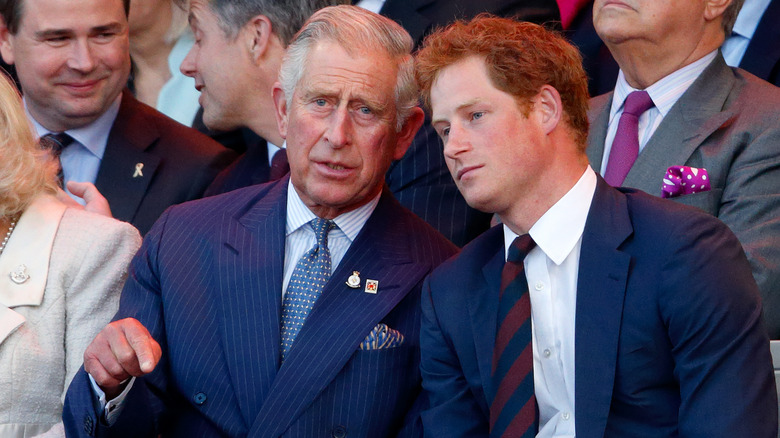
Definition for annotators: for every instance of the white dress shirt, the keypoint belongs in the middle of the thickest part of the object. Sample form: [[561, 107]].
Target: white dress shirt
[[736, 45], [552, 270], [81, 159], [300, 238], [665, 93]]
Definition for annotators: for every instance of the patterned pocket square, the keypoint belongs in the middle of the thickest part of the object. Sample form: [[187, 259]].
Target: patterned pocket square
[[684, 180], [381, 337]]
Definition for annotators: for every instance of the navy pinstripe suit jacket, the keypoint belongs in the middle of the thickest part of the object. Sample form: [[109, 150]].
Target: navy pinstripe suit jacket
[[207, 284]]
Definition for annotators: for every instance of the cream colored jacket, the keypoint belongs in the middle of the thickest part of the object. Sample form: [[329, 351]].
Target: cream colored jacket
[[70, 267]]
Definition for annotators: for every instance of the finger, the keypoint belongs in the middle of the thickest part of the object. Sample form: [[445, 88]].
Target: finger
[[146, 349], [67, 200], [101, 364], [94, 200]]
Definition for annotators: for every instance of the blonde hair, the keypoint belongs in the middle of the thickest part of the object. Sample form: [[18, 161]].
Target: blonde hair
[[25, 169]]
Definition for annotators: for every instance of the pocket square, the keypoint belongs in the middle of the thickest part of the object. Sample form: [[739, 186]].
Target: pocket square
[[381, 337], [684, 180]]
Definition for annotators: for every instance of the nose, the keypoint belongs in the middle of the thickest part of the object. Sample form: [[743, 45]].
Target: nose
[[82, 59], [187, 66], [340, 129], [456, 142]]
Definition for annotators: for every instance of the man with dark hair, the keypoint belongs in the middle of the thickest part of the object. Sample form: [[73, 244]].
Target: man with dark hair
[[239, 46], [699, 119], [72, 60], [592, 311], [290, 308]]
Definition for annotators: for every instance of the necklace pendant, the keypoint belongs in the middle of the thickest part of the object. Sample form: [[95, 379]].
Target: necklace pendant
[[19, 275]]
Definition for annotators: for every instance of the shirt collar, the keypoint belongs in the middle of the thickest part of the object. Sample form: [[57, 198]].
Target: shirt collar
[[351, 222], [749, 17], [560, 228], [666, 91], [93, 136]]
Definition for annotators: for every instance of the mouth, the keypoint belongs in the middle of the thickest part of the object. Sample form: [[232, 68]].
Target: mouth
[[199, 87], [334, 170], [465, 171], [81, 86]]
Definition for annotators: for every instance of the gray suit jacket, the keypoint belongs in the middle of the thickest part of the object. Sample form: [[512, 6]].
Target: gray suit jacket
[[727, 122]]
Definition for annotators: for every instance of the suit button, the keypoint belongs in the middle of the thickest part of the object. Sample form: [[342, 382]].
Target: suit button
[[339, 432], [88, 425], [199, 398]]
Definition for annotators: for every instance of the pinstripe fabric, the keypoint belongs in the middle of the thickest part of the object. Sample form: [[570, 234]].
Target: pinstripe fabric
[[421, 182], [207, 284]]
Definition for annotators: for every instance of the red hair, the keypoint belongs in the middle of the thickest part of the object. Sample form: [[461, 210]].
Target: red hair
[[520, 57]]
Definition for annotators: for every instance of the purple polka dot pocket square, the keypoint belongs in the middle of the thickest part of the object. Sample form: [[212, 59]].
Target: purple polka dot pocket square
[[684, 180], [382, 337]]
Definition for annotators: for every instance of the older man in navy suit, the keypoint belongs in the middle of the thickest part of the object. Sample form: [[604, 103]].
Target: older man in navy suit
[[592, 311], [292, 308]]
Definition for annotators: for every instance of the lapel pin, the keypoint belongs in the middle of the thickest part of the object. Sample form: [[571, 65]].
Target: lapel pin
[[354, 280], [371, 286], [19, 275], [138, 170]]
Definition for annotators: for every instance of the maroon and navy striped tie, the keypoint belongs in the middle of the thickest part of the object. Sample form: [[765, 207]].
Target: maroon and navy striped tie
[[513, 407]]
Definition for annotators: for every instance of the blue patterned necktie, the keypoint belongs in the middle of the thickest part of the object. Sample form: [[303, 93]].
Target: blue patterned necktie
[[308, 279]]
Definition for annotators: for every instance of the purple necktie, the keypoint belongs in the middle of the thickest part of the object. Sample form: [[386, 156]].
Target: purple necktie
[[625, 147], [279, 165], [513, 405]]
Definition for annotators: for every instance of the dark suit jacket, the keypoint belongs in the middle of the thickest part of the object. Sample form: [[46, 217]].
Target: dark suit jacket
[[207, 284], [762, 57], [727, 123], [248, 169], [178, 163], [669, 339]]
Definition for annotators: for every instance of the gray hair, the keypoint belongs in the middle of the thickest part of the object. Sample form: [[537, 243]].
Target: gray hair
[[730, 16], [357, 31], [286, 16]]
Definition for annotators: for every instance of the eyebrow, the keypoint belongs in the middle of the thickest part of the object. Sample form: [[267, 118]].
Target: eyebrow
[[459, 108]]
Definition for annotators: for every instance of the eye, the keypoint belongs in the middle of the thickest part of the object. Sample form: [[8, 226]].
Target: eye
[[320, 102], [444, 132], [365, 110], [477, 115]]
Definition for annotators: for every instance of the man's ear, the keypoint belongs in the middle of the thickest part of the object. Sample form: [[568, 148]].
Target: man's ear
[[408, 131], [6, 43], [714, 9], [280, 104], [549, 108], [258, 36]]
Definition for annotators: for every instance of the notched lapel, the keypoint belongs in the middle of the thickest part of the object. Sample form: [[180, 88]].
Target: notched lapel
[[601, 289], [694, 118], [342, 317], [127, 169], [250, 268], [483, 309]]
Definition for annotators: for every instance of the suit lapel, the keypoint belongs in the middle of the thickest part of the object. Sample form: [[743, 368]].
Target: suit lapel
[[483, 308], [342, 317], [599, 120], [126, 168], [249, 267], [694, 117], [601, 289]]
